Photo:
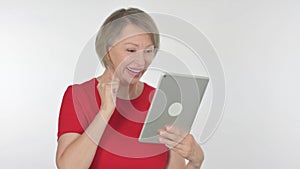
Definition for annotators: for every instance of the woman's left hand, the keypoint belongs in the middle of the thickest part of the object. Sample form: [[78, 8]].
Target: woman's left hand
[[184, 144]]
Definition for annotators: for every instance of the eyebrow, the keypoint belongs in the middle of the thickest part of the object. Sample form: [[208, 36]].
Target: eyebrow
[[130, 43]]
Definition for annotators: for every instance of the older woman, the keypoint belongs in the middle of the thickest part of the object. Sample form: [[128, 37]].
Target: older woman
[[101, 119]]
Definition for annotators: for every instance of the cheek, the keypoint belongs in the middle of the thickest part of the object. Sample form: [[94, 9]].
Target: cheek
[[125, 60], [119, 58], [148, 60]]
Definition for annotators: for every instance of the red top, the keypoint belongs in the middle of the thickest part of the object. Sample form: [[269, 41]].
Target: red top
[[119, 146]]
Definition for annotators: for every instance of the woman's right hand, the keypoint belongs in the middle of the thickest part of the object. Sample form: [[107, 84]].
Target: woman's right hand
[[108, 92]]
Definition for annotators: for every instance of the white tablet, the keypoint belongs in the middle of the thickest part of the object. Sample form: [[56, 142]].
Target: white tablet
[[175, 103]]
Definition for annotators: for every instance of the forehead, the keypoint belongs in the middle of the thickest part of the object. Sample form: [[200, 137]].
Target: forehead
[[134, 34]]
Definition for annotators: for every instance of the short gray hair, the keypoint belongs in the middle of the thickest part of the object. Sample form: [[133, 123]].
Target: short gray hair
[[116, 22]]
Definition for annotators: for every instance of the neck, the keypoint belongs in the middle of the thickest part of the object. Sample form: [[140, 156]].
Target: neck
[[129, 91], [126, 91]]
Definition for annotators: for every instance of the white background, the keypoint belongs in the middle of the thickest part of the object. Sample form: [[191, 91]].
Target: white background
[[257, 42]]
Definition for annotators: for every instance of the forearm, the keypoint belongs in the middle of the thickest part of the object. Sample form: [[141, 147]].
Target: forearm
[[80, 153]]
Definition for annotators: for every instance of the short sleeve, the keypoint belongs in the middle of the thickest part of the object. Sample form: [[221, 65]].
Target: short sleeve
[[68, 121]]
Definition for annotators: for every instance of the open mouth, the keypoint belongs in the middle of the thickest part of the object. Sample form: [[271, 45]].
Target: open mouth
[[134, 71]]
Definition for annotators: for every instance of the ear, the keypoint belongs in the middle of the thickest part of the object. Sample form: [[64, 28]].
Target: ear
[[108, 52], [108, 57]]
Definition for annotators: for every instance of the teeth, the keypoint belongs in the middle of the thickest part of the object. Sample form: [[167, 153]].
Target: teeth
[[133, 70]]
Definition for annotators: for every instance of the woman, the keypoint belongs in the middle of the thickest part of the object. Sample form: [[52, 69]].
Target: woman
[[101, 119]]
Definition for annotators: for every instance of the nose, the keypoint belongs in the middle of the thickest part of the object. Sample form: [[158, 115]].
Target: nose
[[140, 59]]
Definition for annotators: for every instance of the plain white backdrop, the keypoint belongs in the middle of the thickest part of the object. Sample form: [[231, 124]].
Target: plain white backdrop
[[257, 42]]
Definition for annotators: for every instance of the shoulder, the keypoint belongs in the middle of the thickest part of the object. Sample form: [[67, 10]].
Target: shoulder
[[85, 85], [90, 84], [81, 88]]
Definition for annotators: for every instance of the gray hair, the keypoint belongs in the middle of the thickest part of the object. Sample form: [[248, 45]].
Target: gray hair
[[116, 22]]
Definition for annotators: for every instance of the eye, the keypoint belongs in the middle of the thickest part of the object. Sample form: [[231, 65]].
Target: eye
[[148, 51], [131, 50]]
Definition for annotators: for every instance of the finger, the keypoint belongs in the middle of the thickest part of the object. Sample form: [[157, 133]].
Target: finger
[[114, 90], [170, 136], [183, 146], [101, 86], [167, 142], [105, 86], [112, 86], [105, 90], [185, 153], [178, 149], [113, 77], [176, 131]]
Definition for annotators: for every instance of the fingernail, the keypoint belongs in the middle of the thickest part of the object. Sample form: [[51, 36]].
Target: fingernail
[[168, 127], [160, 139]]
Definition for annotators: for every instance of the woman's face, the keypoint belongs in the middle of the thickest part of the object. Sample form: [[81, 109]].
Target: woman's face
[[132, 55]]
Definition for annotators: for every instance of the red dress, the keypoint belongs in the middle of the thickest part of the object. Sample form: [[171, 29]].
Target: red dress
[[119, 146]]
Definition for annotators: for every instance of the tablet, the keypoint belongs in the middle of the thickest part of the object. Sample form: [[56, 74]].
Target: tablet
[[175, 103]]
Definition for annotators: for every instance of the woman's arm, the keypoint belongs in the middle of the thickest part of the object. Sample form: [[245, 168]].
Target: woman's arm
[[77, 151], [182, 146]]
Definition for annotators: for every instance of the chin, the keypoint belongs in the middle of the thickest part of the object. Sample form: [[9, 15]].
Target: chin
[[130, 80]]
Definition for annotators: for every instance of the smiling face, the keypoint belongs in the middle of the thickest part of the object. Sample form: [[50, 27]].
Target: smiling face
[[131, 56]]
